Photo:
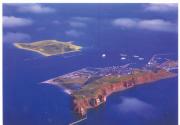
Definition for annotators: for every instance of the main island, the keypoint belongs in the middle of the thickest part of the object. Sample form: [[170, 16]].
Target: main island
[[90, 87], [49, 47]]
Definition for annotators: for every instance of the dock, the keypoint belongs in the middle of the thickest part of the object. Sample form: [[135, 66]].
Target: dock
[[80, 120]]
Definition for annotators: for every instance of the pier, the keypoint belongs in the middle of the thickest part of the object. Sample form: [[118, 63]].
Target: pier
[[80, 120]]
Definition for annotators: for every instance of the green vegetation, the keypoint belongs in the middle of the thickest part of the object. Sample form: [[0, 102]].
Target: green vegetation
[[91, 88]]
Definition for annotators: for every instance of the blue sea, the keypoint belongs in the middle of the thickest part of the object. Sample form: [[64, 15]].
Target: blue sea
[[28, 102]]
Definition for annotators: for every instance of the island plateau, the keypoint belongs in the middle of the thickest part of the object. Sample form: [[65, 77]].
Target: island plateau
[[49, 47], [90, 87]]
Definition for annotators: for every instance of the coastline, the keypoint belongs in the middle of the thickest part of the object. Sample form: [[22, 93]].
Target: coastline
[[45, 54], [81, 105], [20, 47]]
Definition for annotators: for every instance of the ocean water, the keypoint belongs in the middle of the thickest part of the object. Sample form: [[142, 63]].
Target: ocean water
[[28, 102]]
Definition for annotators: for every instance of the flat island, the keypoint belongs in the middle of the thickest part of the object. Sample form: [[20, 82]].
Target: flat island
[[90, 87], [49, 47]]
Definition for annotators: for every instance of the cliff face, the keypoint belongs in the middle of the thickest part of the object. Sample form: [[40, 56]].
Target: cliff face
[[82, 104]]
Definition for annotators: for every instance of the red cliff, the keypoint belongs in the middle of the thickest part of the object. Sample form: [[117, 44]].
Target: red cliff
[[99, 94]]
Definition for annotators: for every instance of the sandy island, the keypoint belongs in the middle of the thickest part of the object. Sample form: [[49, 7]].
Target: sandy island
[[49, 47]]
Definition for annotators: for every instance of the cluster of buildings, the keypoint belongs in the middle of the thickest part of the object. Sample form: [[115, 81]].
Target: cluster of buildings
[[97, 72]]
